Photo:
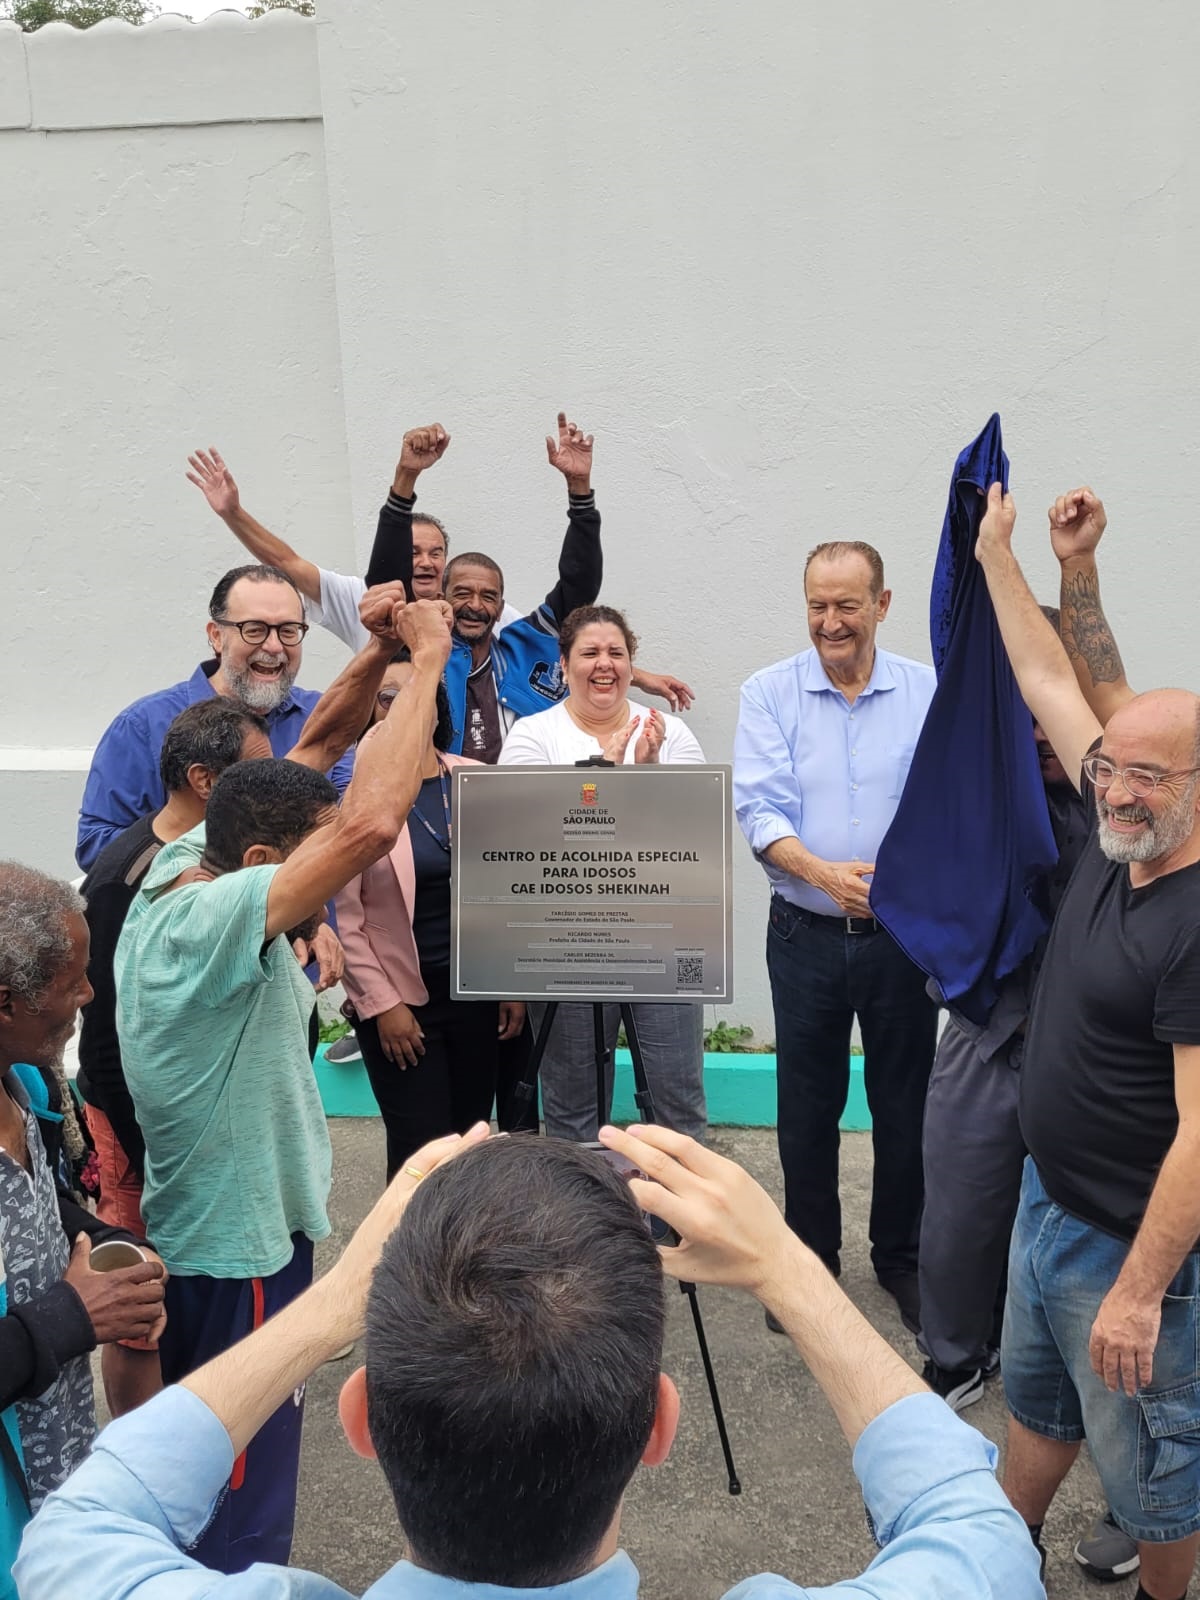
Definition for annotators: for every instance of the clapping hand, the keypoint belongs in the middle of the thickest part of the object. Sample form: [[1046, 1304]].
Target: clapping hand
[[215, 481], [654, 731], [572, 455]]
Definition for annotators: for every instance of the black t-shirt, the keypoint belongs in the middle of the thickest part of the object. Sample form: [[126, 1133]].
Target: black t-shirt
[[484, 732], [109, 888], [1119, 986]]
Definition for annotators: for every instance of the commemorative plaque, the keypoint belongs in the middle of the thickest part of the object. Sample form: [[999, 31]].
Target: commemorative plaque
[[592, 883]]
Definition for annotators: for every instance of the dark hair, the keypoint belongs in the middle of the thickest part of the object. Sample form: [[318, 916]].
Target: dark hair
[[835, 549], [443, 728], [514, 1342], [471, 558], [583, 617], [257, 573], [208, 734], [425, 516], [275, 803]]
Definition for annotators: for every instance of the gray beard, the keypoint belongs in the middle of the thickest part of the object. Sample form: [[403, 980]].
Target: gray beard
[[1162, 837], [256, 696]]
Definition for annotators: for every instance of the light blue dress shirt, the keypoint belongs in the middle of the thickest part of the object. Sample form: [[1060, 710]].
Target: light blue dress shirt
[[113, 1531], [808, 765]]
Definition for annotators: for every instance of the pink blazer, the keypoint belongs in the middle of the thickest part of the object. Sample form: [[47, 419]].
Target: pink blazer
[[374, 918]]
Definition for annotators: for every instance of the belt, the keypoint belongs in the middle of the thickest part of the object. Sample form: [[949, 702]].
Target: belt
[[839, 925]]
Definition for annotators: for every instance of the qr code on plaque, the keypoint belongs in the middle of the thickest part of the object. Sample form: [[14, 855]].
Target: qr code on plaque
[[689, 970]]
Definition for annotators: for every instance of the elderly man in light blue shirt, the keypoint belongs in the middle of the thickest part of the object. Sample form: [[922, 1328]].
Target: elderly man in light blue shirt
[[514, 1330], [823, 746]]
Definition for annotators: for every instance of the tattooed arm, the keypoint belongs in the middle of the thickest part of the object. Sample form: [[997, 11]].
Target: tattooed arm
[[1077, 521]]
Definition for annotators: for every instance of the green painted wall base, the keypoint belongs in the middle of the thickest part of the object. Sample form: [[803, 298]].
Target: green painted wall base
[[740, 1089]]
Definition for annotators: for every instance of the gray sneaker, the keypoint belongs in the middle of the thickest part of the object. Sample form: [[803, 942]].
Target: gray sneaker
[[344, 1050], [1105, 1552]]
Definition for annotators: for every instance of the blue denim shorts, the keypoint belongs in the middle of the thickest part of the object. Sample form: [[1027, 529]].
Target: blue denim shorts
[[1146, 1449]]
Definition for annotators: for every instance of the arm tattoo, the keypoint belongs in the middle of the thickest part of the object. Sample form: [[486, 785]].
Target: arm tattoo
[[1085, 630]]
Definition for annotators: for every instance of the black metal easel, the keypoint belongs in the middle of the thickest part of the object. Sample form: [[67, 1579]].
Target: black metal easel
[[523, 1096]]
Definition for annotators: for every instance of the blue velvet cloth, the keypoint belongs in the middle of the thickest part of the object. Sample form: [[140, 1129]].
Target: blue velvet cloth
[[960, 876]]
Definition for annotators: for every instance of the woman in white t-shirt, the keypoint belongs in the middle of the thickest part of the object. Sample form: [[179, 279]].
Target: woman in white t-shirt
[[598, 718]]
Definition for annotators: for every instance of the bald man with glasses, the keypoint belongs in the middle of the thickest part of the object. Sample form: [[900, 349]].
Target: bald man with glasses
[[256, 633]]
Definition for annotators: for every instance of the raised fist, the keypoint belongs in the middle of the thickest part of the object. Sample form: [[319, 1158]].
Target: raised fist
[[422, 448], [1077, 521]]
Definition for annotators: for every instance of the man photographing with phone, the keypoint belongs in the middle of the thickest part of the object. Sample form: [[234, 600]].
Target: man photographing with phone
[[515, 1311]]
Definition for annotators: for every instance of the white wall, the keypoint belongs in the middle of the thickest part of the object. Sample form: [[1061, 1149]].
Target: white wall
[[784, 260], [168, 282]]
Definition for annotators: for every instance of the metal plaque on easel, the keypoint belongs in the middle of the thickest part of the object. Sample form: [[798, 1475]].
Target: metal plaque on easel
[[592, 883]]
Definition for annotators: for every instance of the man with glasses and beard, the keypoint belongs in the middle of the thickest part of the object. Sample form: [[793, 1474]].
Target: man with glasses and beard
[[1102, 1328], [213, 1013], [256, 632]]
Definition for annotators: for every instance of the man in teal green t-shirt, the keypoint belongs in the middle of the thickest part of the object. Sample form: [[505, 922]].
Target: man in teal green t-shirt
[[213, 1012]]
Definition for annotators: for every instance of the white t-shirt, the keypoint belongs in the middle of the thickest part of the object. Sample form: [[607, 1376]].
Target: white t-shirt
[[553, 738], [337, 608]]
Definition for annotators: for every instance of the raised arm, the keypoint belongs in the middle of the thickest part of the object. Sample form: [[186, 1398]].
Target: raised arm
[[344, 710], [1045, 676], [580, 562], [215, 482], [386, 780], [392, 553], [1077, 522]]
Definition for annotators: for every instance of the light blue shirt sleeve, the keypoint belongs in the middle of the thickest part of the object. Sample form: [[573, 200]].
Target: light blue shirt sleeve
[[765, 795], [944, 1524], [116, 1527]]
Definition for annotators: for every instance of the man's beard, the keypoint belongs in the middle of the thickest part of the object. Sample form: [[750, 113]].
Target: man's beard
[[1162, 836], [253, 693]]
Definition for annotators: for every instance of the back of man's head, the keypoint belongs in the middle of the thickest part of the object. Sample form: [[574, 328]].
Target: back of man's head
[[208, 734], [272, 803], [514, 1341]]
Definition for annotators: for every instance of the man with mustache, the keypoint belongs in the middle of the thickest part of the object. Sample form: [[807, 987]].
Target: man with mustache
[[213, 1015], [1102, 1329], [256, 632], [823, 746]]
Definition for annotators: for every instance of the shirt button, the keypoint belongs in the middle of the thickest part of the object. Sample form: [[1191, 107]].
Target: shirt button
[[854, 787], [855, 821], [852, 716]]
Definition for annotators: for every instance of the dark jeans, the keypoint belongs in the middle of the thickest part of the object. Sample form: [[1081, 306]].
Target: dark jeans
[[513, 1060], [205, 1316], [453, 1083], [821, 978]]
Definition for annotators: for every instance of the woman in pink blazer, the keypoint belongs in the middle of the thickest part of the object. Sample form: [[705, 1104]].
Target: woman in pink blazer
[[431, 1060]]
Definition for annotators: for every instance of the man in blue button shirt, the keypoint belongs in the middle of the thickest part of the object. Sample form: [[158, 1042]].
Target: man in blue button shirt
[[514, 1332], [256, 632], [823, 746]]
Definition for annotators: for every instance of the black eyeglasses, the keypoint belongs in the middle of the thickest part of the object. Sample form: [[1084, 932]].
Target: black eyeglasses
[[252, 632], [1139, 781]]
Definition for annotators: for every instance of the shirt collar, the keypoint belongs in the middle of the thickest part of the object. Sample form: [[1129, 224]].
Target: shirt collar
[[814, 679], [200, 686], [616, 1579]]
